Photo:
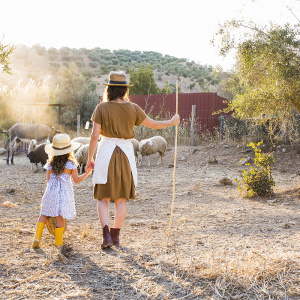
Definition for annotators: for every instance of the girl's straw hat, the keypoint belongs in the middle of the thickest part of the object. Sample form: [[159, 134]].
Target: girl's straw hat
[[117, 79], [61, 145]]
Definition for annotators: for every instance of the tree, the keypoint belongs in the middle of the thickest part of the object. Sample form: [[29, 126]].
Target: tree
[[265, 81], [143, 81], [5, 51]]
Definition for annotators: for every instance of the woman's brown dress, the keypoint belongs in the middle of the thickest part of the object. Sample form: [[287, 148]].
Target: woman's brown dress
[[117, 120]]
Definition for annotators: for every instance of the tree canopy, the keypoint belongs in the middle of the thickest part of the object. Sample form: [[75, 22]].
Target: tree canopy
[[265, 81], [5, 51], [143, 81]]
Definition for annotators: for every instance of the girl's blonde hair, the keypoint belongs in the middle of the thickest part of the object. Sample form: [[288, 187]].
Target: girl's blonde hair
[[58, 163]]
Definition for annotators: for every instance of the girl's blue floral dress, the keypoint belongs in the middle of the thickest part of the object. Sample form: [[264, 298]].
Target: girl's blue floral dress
[[58, 198]]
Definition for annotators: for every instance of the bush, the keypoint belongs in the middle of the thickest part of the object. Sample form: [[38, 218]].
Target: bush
[[93, 64], [258, 180]]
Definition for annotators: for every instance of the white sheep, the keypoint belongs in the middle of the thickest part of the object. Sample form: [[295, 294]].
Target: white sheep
[[82, 140], [136, 149], [151, 146], [82, 155]]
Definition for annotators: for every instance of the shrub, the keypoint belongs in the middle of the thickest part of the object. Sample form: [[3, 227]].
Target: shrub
[[93, 64], [258, 180]]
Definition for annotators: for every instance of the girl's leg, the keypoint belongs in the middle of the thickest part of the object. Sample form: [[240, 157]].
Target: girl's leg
[[60, 222], [120, 212], [103, 211], [59, 230], [39, 231], [42, 219]]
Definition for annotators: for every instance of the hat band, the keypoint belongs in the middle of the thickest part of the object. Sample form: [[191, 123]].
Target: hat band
[[56, 148], [117, 82]]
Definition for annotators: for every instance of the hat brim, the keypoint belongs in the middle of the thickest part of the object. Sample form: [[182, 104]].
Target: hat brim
[[54, 152], [115, 84]]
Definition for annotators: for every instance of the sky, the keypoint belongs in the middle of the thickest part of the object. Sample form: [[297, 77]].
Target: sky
[[179, 28]]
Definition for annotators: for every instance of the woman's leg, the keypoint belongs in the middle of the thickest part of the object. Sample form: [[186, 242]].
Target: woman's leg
[[120, 212], [103, 211]]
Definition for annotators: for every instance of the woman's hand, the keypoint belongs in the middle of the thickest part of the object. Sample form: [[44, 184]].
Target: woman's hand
[[88, 170], [175, 120], [90, 164]]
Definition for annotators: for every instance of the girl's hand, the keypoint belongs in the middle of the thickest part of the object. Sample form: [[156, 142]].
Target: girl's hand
[[88, 170], [176, 119]]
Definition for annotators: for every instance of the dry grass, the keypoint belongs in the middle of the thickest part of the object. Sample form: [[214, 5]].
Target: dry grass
[[222, 246]]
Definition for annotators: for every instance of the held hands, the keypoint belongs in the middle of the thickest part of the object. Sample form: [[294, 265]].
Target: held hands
[[175, 120], [88, 170], [90, 166]]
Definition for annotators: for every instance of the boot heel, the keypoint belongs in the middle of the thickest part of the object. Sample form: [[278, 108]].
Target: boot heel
[[36, 244], [115, 232], [107, 242]]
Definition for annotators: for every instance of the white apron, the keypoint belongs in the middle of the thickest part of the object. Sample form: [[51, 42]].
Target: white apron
[[105, 150]]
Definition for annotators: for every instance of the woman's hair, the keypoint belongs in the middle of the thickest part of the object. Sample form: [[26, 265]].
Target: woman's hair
[[114, 92], [58, 163]]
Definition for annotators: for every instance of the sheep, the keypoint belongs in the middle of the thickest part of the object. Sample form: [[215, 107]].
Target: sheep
[[136, 145], [151, 146], [38, 155], [82, 140], [22, 132], [33, 145], [82, 156]]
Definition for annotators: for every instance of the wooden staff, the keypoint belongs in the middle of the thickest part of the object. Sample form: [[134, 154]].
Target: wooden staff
[[175, 156]]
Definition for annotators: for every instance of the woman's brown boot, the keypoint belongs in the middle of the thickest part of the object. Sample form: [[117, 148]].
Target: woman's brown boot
[[107, 242], [114, 232]]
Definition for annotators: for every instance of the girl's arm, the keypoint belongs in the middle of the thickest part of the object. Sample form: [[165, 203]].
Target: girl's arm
[[93, 143], [78, 178], [48, 175], [161, 124]]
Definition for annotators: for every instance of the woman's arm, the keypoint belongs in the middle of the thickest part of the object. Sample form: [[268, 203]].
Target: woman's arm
[[161, 124], [93, 143], [78, 178]]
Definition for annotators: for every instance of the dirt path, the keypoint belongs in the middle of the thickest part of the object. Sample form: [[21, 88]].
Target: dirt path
[[222, 246]]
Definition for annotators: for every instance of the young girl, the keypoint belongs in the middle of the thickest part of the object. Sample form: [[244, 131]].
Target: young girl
[[58, 199]]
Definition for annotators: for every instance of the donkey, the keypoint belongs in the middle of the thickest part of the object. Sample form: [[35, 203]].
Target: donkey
[[22, 132]]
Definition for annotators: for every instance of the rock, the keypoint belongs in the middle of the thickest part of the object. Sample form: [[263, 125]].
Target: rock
[[10, 191], [225, 181], [283, 150], [142, 222], [247, 160], [195, 151], [2, 151], [182, 158], [212, 161], [226, 146]]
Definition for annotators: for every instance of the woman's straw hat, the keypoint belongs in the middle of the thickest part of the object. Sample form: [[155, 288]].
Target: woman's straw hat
[[117, 79], [61, 145]]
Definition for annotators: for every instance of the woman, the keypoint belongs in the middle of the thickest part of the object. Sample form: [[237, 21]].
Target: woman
[[115, 174]]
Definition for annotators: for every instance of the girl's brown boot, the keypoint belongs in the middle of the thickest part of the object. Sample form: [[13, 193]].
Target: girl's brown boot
[[114, 232], [107, 242]]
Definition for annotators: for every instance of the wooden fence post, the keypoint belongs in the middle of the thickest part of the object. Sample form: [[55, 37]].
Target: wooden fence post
[[78, 125], [193, 125]]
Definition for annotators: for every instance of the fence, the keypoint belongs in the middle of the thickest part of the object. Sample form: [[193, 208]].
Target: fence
[[163, 105]]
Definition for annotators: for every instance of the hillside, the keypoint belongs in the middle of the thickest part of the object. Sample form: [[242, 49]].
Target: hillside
[[37, 63]]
